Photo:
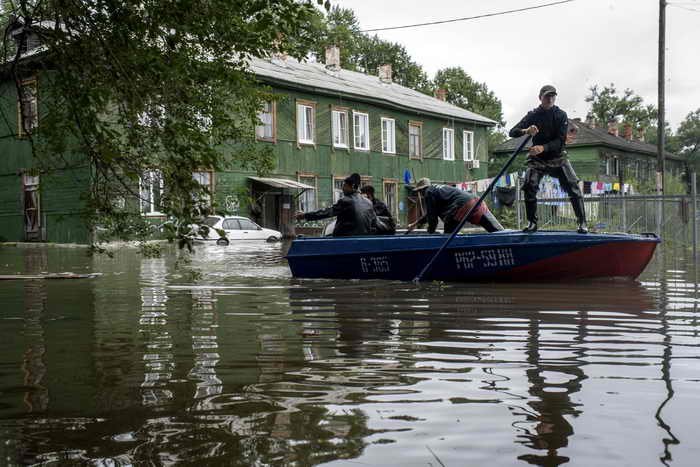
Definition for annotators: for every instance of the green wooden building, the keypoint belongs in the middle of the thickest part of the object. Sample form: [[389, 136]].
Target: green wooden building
[[605, 155], [323, 124]]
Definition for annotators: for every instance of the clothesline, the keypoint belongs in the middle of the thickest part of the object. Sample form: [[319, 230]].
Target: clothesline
[[549, 186]]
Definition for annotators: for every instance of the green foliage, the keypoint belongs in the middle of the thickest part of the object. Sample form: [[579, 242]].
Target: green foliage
[[463, 91], [688, 137], [364, 53], [609, 106], [158, 85]]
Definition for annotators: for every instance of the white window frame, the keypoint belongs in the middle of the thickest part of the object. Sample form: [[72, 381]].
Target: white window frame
[[303, 123], [199, 176], [468, 149], [337, 131], [394, 209], [419, 148], [269, 111], [337, 188], [356, 118], [448, 144], [312, 180], [147, 193], [388, 136]]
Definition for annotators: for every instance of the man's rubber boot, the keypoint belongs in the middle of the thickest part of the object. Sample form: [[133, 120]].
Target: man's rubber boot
[[531, 214], [580, 211]]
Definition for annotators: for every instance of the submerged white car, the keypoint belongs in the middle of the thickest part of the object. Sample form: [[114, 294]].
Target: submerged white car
[[238, 228]]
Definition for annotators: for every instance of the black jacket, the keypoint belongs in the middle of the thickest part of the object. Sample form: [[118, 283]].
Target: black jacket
[[386, 225], [552, 124], [354, 216], [442, 201]]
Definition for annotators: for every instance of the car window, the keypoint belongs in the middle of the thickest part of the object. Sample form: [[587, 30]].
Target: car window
[[247, 225], [231, 224], [210, 221]]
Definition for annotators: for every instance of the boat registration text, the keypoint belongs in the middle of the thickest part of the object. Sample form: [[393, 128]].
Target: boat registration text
[[489, 258]]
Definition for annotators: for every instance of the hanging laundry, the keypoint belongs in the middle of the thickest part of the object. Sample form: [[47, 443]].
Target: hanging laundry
[[587, 188], [616, 186]]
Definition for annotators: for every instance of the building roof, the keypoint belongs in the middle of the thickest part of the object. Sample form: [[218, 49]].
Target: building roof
[[360, 86], [590, 136], [282, 183]]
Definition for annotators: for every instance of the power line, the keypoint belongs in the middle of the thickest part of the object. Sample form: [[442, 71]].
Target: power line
[[498, 13], [684, 7]]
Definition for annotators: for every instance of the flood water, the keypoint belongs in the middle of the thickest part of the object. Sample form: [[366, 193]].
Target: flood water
[[230, 361]]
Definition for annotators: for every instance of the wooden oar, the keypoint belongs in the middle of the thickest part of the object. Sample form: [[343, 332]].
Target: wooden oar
[[476, 205]]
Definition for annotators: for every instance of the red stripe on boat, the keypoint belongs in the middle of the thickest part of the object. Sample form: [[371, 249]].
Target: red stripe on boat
[[615, 259]]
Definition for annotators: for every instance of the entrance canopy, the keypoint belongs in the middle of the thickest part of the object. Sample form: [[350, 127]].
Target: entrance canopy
[[282, 183]]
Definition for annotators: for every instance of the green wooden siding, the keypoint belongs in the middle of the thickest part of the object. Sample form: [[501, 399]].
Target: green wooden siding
[[326, 162], [61, 201], [62, 191]]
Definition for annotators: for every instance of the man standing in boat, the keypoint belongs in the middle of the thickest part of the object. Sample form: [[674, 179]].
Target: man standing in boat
[[547, 124], [451, 205], [354, 213], [386, 225]]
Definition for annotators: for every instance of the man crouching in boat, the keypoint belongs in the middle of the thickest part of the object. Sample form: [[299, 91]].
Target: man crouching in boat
[[354, 213], [451, 205]]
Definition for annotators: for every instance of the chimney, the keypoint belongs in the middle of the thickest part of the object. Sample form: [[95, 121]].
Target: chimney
[[441, 93], [612, 127], [385, 73], [627, 132], [333, 58]]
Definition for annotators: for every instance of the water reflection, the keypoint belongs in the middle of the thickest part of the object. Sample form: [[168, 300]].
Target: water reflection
[[144, 365]]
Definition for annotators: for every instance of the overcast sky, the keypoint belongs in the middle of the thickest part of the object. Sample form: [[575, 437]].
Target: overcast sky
[[573, 46]]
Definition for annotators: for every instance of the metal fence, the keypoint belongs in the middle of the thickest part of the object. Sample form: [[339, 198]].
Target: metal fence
[[673, 217]]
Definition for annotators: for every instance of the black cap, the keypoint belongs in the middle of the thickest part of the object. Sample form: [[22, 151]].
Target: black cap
[[353, 180], [548, 89]]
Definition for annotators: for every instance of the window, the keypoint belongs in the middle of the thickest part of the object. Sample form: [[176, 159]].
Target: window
[[231, 224], [27, 108], [388, 136], [415, 140], [340, 128], [468, 153], [307, 200], [247, 224], [266, 130], [448, 144], [305, 124], [151, 191], [337, 188], [205, 179], [391, 198], [361, 130]]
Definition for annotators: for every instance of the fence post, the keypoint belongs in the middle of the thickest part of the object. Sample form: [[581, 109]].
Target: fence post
[[517, 201], [624, 214], [694, 193]]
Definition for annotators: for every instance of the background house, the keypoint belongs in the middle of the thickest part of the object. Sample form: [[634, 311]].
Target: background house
[[605, 155]]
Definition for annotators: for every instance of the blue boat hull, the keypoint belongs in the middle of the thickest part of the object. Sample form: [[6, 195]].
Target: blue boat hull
[[503, 256]]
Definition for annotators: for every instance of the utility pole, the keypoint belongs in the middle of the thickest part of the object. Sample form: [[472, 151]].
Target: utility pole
[[661, 135]]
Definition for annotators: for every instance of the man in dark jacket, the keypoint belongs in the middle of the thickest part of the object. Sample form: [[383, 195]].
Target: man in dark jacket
[[386, 225], [354, 213], [547, 124], [451, 205]]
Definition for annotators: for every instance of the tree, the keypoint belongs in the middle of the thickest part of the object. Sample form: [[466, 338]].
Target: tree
[[463, 91], [137, 86], [688, 135], [364, 53], [607, 106]]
